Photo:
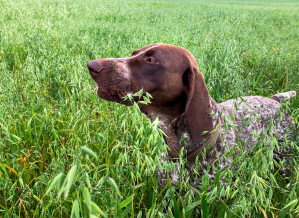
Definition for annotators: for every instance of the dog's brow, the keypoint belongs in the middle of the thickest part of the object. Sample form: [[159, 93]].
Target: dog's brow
[[135, 52], [149, 52], [140, 51]]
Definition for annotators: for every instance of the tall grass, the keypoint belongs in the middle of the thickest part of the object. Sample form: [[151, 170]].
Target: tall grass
[[64, 152]]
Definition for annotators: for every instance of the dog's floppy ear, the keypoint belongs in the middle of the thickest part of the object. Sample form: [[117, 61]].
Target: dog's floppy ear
[[188, 81], [198, 107]]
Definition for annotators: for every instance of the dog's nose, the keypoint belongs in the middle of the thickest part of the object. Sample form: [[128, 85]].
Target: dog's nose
[[94, 66]]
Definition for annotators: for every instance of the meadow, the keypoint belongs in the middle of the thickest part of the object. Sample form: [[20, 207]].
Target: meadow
[[64, 152]]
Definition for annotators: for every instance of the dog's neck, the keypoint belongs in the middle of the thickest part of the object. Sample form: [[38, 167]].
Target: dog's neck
[[176, 126]]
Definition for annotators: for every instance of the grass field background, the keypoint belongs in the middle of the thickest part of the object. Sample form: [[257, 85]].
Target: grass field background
[[65, 152]]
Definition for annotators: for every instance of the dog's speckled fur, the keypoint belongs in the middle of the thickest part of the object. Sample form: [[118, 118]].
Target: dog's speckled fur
[[243, 120]]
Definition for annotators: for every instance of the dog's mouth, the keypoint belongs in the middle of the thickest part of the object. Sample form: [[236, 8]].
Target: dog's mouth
[[118, 96]]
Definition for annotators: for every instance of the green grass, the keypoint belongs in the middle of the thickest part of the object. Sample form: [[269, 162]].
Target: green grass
[[95, 157]]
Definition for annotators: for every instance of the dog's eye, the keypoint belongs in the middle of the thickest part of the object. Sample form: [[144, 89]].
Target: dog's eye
[[151, 59]]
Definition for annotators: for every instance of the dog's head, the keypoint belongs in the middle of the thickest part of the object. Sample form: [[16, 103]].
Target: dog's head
[[164, 71], [168, 73]]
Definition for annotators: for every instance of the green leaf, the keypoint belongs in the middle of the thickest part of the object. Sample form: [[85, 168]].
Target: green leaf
[[138, 93], [216, 128], [271, 155], [114, 186], [139, 185], [194, 204], [205, 132], [292, 204], [87, 151], [234, 193], [70, 179], [56, 181], [148, 95], [21, 182], [125, 213], [75, 209], [101, 182], [217, 176], [204, 205], [95, 209], [87, 180], [37, 198], [87, 198], [126, 202]]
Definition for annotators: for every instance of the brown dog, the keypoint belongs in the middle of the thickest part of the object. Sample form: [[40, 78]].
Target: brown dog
[[184, 107]]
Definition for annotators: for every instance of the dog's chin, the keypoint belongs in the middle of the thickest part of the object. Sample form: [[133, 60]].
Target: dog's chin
[[115, 96]]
